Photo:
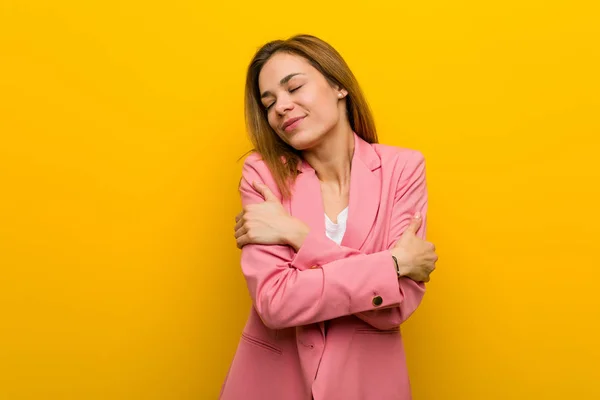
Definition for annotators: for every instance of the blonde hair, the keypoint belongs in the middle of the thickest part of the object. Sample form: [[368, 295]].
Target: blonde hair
[[282, 159]]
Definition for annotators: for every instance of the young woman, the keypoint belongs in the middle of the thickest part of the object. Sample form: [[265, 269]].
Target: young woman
[[332, 236]]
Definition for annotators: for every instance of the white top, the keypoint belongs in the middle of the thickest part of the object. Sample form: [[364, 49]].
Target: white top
[[336, 232]]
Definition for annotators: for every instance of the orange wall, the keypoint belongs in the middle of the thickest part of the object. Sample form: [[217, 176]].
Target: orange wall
[[121, 123]]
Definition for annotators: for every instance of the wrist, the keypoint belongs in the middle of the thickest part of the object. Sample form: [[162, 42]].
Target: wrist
[[297, 233], [401, 262]]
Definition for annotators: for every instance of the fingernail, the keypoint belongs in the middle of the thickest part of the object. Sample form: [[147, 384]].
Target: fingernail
[[417, 215]]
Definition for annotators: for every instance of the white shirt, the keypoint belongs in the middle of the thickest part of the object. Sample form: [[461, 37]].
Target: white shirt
[[336, 232]]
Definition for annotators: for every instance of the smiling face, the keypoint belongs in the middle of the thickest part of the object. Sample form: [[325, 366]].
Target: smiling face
[[301, 105]]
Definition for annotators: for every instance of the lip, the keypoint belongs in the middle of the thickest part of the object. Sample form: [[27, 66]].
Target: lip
[[291, 123]]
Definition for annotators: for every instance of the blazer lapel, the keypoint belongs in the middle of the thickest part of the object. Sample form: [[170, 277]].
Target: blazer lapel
[[306, 202], [365, 194]]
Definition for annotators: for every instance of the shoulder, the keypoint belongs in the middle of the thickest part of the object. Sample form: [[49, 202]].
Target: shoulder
[[400, 159], [254, 160], [256, 169], [404, 169]]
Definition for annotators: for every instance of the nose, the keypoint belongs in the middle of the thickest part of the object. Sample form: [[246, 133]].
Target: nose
[[284, 104]]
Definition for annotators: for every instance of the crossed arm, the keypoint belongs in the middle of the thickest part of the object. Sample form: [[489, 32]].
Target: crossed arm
[[322, 280]]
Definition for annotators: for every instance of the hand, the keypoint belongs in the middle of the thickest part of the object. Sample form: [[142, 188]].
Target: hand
[[416, 257], [268, 223]]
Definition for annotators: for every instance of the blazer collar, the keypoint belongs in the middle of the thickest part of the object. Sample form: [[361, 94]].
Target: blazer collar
[[365, 191]]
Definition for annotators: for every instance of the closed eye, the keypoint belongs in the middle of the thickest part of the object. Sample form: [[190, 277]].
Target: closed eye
[[291, 91]]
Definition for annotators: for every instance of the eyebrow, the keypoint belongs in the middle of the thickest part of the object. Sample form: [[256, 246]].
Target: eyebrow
[[285, 80]]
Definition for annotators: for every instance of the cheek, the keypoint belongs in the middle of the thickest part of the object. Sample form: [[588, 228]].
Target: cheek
[[272, 120], [324, 108], [312, 100]]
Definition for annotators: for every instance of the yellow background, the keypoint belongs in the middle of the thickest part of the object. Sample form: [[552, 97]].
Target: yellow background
[[121, 124]]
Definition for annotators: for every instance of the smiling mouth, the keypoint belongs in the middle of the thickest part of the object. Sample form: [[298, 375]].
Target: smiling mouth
[[293, 124]]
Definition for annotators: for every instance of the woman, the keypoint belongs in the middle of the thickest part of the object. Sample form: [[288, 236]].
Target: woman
[[331, 234]]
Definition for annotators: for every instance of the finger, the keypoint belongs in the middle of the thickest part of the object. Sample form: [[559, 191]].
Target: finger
[[238, 225], [239, 216], [425, 277], [430, 260], [240, 231], [415, 224], [265, 191], [242, 241]]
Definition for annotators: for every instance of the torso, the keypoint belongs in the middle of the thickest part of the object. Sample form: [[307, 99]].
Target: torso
[[353, 359]]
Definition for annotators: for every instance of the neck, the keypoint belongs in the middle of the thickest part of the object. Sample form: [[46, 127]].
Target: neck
[[332, 157]]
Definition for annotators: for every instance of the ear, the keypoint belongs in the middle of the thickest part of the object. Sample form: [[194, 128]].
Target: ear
[[341, 93]]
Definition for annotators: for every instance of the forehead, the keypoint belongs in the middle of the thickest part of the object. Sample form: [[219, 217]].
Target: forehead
[[279, 66]]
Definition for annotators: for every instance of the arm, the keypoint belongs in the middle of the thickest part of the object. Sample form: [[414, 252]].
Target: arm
[[292, 290]]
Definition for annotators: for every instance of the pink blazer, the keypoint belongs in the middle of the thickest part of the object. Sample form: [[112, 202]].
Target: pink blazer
[[325, 321]]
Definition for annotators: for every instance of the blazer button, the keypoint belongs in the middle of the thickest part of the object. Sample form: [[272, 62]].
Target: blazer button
[[377, 301]]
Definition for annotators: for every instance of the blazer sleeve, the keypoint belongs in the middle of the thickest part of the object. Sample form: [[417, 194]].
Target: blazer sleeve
[[410, 197], [317, 283]]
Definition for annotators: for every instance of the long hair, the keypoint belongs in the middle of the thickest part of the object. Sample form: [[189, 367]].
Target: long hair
[[281, 158]]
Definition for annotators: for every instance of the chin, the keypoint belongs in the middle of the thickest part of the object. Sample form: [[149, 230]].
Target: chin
[[303, 140]]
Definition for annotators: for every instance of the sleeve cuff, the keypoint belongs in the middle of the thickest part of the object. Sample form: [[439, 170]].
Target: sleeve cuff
[[313, 252], [388, 294]]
